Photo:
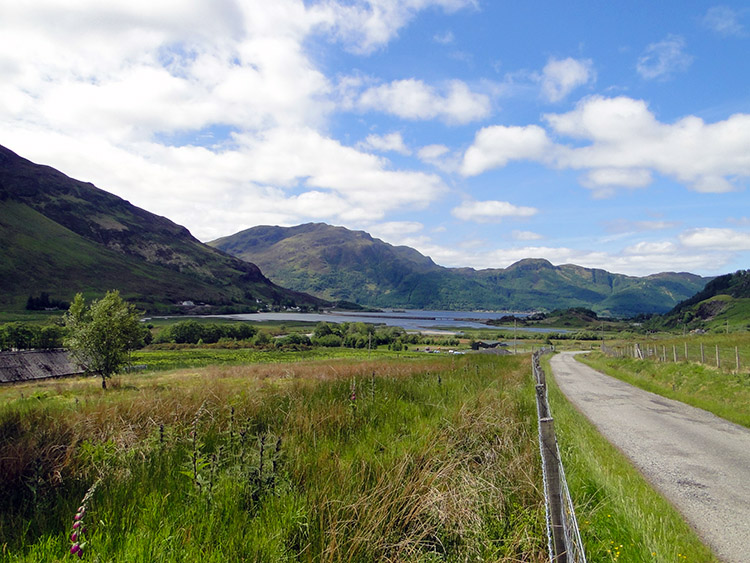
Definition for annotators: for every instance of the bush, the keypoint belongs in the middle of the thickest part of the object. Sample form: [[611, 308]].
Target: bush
[[328, 341]]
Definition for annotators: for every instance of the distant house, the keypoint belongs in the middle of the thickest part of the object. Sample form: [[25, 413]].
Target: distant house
[[480, 344], [29, 365]]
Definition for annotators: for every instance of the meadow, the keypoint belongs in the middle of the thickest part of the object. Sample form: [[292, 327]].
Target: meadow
[[393, 459]]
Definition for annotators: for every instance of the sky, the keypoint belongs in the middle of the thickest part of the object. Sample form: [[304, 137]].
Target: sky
[[480, 132]]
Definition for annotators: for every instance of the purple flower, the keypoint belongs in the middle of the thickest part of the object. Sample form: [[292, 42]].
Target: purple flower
[[76, 525], [75, 548]]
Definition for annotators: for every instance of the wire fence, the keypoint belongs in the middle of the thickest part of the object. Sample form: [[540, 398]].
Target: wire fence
[[563, 535], [720, 357]]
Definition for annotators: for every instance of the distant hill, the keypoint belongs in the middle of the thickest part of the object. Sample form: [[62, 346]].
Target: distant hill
[[724, 302], [336, 263], [60, 236]]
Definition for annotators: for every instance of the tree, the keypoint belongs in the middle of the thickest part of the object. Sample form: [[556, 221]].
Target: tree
[[101, 336]]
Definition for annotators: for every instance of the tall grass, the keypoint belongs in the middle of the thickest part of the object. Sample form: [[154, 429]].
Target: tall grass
[[434, 459]]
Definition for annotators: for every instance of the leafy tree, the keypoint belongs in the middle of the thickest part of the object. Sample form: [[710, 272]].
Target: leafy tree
[[101, 336]]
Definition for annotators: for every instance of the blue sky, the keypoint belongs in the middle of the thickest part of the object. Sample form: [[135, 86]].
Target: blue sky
[[609, 135]]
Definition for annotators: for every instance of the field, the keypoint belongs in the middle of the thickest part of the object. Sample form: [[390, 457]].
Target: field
[[202, 357], [395, 459]]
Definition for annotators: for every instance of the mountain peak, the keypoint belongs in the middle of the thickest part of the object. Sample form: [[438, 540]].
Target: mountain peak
[[63, 236], [337, 263]]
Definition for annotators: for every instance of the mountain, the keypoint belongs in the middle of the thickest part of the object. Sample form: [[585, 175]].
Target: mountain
[[723, 302], [336, 263], [61, 236]]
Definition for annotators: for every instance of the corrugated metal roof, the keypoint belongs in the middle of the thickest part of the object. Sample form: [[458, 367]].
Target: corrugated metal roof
[[28, 365]]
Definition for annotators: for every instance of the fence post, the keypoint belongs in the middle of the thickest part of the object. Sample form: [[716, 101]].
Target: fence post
[[674, 353], [554, 490], [718, 360], [737, 357], [703, 355], [686, 352]]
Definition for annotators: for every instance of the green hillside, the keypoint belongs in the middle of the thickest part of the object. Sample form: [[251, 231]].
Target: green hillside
[[61, 236], [336, 263], [723, 304]]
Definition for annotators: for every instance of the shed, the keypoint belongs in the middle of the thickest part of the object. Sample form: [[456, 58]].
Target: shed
[[29, 365]]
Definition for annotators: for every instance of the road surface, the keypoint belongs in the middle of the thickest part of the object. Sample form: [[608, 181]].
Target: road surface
[[698, 461]]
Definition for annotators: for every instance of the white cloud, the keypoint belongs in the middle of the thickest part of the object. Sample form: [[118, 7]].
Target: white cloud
[[722, 240], [385, 143], [664, 58], [441, 157], [628, 143], [636, 260], [413, 99], [526, 235], [603, 181], [647, 248], [626, 146], [430, 153], [490, 211], [445, 38], [561, 77], [724, 21], [625, 226], [366, 25], [122, 93], [395, 232], [495, 146]]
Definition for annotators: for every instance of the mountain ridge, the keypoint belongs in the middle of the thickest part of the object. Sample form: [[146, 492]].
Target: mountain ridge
[[64, 235], [334, 262]]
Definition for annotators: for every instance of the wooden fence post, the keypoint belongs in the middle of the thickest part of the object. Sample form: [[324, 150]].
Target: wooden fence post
[[686, 351], [703, 355], [554, 489], [674, 353], [737, 357], [718, 360]]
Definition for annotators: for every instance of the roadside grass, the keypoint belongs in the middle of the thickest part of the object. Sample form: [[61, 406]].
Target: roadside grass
[[621, 517], [395, 459], [726, 395]]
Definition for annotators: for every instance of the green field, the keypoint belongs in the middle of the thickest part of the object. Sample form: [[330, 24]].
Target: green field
[[317, 455], [400, 459]]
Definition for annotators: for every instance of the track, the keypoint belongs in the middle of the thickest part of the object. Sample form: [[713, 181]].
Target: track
[[698, 461]]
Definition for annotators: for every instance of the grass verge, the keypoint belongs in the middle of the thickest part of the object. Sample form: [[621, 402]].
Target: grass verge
[[622, 518]]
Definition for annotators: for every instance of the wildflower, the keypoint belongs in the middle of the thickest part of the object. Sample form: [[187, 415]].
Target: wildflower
[[79, 530]]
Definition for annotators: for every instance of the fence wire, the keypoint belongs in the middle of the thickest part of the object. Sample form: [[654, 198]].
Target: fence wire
[[563, 535]]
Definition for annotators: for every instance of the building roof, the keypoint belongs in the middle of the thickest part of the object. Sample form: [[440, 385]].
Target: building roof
[[29, 365]]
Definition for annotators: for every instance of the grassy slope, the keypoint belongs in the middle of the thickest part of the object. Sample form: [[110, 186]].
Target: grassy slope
[[39, 254], [62, 235], [620, 515]]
